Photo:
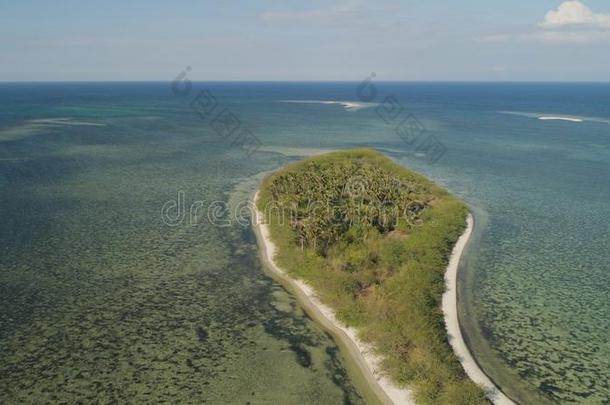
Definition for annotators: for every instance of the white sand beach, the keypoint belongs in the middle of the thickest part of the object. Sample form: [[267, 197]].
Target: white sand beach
[[560, 119], [362, 352], [347, 105], [453, 326]]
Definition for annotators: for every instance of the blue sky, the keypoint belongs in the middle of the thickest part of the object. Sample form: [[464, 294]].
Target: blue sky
[[305, 40]]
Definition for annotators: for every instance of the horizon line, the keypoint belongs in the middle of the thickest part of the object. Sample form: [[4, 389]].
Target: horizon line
[[314, 81]]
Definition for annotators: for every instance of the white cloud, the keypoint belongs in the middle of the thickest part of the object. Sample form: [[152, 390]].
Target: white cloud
[[572, 23], [575, 14]]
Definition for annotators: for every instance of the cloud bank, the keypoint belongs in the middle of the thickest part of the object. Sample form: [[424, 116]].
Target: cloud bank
[[572, 23], [575, 14]]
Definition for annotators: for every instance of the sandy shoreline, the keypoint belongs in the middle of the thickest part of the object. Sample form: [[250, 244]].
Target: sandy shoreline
[[363, 354], [452, 324], [560, 119]]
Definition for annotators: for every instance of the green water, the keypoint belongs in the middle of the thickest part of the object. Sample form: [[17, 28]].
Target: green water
[[102, 300]]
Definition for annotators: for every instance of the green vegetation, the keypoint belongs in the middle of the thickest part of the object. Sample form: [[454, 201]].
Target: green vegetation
[[374, 239]]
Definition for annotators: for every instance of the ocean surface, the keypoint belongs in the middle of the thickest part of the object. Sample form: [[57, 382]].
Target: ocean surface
[[125, 274]]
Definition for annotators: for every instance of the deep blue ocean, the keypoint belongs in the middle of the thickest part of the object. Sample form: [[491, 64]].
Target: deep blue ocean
[[103, 299]]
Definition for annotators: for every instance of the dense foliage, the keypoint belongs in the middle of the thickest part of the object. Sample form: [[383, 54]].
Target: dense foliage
[[324, 200], [374, 239]]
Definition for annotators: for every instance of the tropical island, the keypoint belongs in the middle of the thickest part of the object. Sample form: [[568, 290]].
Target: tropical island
[[368, 242]]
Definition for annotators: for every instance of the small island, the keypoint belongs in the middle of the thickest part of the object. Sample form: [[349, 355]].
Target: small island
[[366, 243]]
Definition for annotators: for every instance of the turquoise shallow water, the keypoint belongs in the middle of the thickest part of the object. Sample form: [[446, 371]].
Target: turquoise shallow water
[[102, 299]]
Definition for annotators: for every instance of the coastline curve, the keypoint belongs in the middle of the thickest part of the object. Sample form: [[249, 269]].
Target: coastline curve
[[367, 361], [363, 353], [452, 324]]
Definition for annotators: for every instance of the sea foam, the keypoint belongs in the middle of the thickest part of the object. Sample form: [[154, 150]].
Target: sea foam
[[347, 105]]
